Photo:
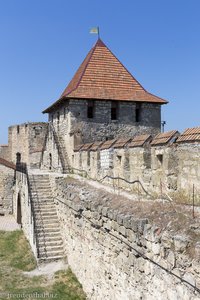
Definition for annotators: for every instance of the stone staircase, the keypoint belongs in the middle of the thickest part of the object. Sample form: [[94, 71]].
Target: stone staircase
[[47, 230]]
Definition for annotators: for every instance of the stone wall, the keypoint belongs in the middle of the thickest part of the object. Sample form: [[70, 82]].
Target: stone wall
[[4, 152], [168, 171], [22, 208], [72, 126], [6, 189], [125, 249], [27, 139]]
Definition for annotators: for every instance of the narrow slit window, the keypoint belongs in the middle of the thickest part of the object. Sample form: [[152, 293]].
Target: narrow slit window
[[138, 113], [90, 110], [58, 117], [114, 110]]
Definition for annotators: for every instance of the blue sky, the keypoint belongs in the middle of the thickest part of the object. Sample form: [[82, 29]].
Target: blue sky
[[43, 42]]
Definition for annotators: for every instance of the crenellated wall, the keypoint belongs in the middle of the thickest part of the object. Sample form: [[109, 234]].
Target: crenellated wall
[[125, 249], [28, 141], [170, 169]]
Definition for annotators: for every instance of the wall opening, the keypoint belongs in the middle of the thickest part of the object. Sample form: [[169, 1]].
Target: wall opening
[[90, 109], [160, 159], [138, 112], [50, 161], [114, 110], [19, 210], [18, 158]]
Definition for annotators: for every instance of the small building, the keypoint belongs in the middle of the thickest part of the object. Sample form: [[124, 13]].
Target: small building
[[102, 101]]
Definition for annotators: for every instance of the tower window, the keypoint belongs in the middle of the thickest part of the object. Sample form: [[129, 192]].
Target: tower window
[[64, 113], [114, 110], [138, 112], [90, 109], [18, 129], [58, 116]]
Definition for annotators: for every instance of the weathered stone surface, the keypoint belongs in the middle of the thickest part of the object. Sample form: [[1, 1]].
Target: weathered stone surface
[[180, 243], [114, 260]]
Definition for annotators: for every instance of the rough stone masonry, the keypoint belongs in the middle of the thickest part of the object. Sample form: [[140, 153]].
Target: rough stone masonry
[[125, 249]]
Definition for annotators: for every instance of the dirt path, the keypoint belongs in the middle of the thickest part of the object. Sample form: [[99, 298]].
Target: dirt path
[[8, 223]]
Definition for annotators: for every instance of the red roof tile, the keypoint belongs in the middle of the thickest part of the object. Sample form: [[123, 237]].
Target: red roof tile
[[7, 163], [96, 145], [102, 76], [190, 135], [107, 144], [120, 143], [86, 146], [164, 138], [78, 147], [140, 140]]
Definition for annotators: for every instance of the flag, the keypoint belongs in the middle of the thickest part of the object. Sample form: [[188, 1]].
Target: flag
[[94, 30]]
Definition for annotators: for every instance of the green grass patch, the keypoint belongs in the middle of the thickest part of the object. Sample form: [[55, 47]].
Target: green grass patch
[[16, 257]]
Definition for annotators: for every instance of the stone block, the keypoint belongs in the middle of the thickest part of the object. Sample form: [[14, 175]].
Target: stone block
[[181, 243]]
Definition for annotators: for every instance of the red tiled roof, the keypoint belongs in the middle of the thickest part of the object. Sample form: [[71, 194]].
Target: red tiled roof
[[102, 76], [164, 138], [78, 147], [120, 143], [190, 135], [96, 145], [7, 163], [107, 144], [86, 146], [140, 140]]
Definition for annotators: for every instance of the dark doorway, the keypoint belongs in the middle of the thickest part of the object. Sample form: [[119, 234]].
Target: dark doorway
[[18, 158], [50, 161], [19, 211]]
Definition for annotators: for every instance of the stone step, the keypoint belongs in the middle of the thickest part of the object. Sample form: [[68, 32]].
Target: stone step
[[44, 205], [46, 222], [45, 231], [50, 243], [45, 214], [50, 259], [50, 248], [46, 254], [46, 226], [48, 235], [39, 200], [46, 218]]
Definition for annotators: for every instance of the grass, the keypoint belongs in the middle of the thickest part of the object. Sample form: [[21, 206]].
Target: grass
[[15, 258]]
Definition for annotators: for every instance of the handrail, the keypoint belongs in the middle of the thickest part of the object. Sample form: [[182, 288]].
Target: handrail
[[22, 167], [114, 178]]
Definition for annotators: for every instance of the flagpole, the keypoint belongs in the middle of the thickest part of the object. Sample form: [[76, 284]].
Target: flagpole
[[98, 32]]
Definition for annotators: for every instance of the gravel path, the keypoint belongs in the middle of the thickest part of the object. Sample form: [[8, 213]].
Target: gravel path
[[8, 223], [48, 269]]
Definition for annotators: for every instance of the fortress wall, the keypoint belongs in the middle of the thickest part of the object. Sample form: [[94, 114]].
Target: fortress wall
[[18, 142], [189, 165], [50, 157], [117, 251], [101, 126], [163, 170], [21, 195], [6, 189], [26, 139], [4, 152]]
